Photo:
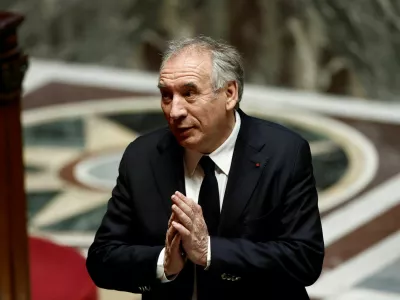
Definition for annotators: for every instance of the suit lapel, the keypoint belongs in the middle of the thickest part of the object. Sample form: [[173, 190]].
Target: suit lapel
[[248, 161], [168, 170]]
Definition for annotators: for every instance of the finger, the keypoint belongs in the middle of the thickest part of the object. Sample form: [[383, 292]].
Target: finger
[[198, 209], [181, 229], [176, 246], [183, 206], [182, 217], [170, 234], [175, 242], [185, 199], [171, 218]]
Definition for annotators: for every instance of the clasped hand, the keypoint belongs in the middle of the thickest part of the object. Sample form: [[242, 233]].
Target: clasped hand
[[186, 225]]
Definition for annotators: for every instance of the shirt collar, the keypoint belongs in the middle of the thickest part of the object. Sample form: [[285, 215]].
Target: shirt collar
[[222, 156]]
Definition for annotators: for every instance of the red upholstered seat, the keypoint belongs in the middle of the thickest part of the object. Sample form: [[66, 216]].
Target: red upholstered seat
[[58, 272]]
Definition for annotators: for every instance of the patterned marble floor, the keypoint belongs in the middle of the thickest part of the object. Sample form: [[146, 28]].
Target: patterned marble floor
[[78, 120]]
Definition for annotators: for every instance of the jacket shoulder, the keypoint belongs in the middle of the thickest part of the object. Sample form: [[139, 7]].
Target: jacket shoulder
[[278, 132], [148, 142]]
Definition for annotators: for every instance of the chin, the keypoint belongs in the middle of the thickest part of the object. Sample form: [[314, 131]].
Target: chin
[[190, 142]]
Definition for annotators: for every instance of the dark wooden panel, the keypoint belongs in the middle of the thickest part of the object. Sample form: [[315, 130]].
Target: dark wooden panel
[[14, 265], [18, 234], [5, 250]]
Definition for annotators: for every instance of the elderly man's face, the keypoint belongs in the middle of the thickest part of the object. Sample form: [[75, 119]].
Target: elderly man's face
[[198, 116]]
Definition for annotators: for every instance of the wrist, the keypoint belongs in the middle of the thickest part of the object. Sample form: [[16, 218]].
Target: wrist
[[169, 276], [167, 272], [171, 273]]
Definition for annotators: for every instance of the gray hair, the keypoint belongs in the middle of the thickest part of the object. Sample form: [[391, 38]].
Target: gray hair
[[226, 60]]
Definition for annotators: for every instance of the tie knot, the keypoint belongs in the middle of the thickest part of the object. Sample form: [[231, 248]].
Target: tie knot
[[207, 164]]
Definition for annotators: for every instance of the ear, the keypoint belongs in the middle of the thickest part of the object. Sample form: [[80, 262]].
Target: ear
[[232, 95]]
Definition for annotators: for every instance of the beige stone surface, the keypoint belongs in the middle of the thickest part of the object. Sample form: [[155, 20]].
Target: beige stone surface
[[116, 295]]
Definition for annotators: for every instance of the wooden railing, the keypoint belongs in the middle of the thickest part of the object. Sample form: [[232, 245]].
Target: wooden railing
[[14, 266]]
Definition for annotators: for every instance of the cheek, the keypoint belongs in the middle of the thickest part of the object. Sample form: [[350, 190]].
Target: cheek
[[211, 116], [206, 124], [201, 118], [205, 113], [166, 110]]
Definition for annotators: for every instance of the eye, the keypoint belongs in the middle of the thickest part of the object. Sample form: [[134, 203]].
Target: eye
[[166, 96], [187, 93]]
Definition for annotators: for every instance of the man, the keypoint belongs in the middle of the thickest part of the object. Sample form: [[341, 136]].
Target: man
[[219, 205]]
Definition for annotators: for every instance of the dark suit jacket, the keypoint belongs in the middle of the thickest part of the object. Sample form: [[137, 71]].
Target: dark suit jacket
[[269, 244]]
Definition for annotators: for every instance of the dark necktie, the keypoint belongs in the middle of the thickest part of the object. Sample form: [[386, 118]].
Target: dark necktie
[[209, 202], [209, 195]]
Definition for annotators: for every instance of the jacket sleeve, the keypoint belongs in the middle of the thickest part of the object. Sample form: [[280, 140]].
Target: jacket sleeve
[[297, 253], [115, 259]]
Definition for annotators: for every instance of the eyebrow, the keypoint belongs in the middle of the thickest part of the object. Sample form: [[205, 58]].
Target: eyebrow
[[187, 85], [190, 85]]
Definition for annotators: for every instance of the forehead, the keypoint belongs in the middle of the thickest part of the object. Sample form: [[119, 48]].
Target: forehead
[[190, 65]]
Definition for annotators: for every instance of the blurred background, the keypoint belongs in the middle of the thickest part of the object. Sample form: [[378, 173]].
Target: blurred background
[[333, 46], [325, 68]]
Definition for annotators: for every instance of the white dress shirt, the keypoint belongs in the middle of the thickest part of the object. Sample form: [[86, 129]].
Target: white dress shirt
[[222, 157]]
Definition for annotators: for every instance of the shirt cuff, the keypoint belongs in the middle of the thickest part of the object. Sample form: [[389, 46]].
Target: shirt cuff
[[160, 269], [208, 254]]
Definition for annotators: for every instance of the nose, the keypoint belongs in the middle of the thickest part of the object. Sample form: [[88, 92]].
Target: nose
[[178, 109]]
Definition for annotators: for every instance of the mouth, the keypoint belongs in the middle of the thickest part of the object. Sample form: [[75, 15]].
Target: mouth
[[184, 130]]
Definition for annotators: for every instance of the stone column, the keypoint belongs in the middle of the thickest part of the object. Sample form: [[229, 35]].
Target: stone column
[[14, 264]]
